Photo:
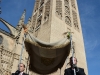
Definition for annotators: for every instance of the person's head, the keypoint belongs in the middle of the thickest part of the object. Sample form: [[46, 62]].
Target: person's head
[[21, 67], [73, 60]]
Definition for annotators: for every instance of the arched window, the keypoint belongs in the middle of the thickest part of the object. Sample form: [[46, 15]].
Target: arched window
[[67, 10], [67, 20]]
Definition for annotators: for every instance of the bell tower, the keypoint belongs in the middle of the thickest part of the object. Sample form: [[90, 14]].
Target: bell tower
[[51, 19], [50, 22]]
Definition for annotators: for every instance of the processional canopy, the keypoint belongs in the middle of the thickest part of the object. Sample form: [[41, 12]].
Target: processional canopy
[[46, 57]]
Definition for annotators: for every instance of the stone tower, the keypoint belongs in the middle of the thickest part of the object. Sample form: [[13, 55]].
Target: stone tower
[[50, 21]]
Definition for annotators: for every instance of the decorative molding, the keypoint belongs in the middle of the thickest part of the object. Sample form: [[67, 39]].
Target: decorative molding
[[6, 61], [16, 56]]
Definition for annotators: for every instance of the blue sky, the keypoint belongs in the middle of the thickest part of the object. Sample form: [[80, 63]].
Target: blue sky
[[90, 19], [89, 11]]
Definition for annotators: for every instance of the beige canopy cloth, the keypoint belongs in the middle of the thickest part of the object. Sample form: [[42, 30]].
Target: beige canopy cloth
[[46, 57]]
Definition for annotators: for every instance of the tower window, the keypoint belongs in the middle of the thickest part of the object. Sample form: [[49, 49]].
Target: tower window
[[66, 2], [73, 3], [67, 11], [41, 3], [36, 5], [75, 20], [47, 10], [67, 20], [59, 8]]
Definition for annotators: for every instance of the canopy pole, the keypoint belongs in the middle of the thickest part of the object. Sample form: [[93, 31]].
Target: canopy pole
[[22, 50], [73, 51]]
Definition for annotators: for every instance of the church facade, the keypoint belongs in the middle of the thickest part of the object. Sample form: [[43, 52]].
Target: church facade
[[51, 20]]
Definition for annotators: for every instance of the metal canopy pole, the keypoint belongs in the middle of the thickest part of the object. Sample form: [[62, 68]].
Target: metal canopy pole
[[73, 51], [22, 50]]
